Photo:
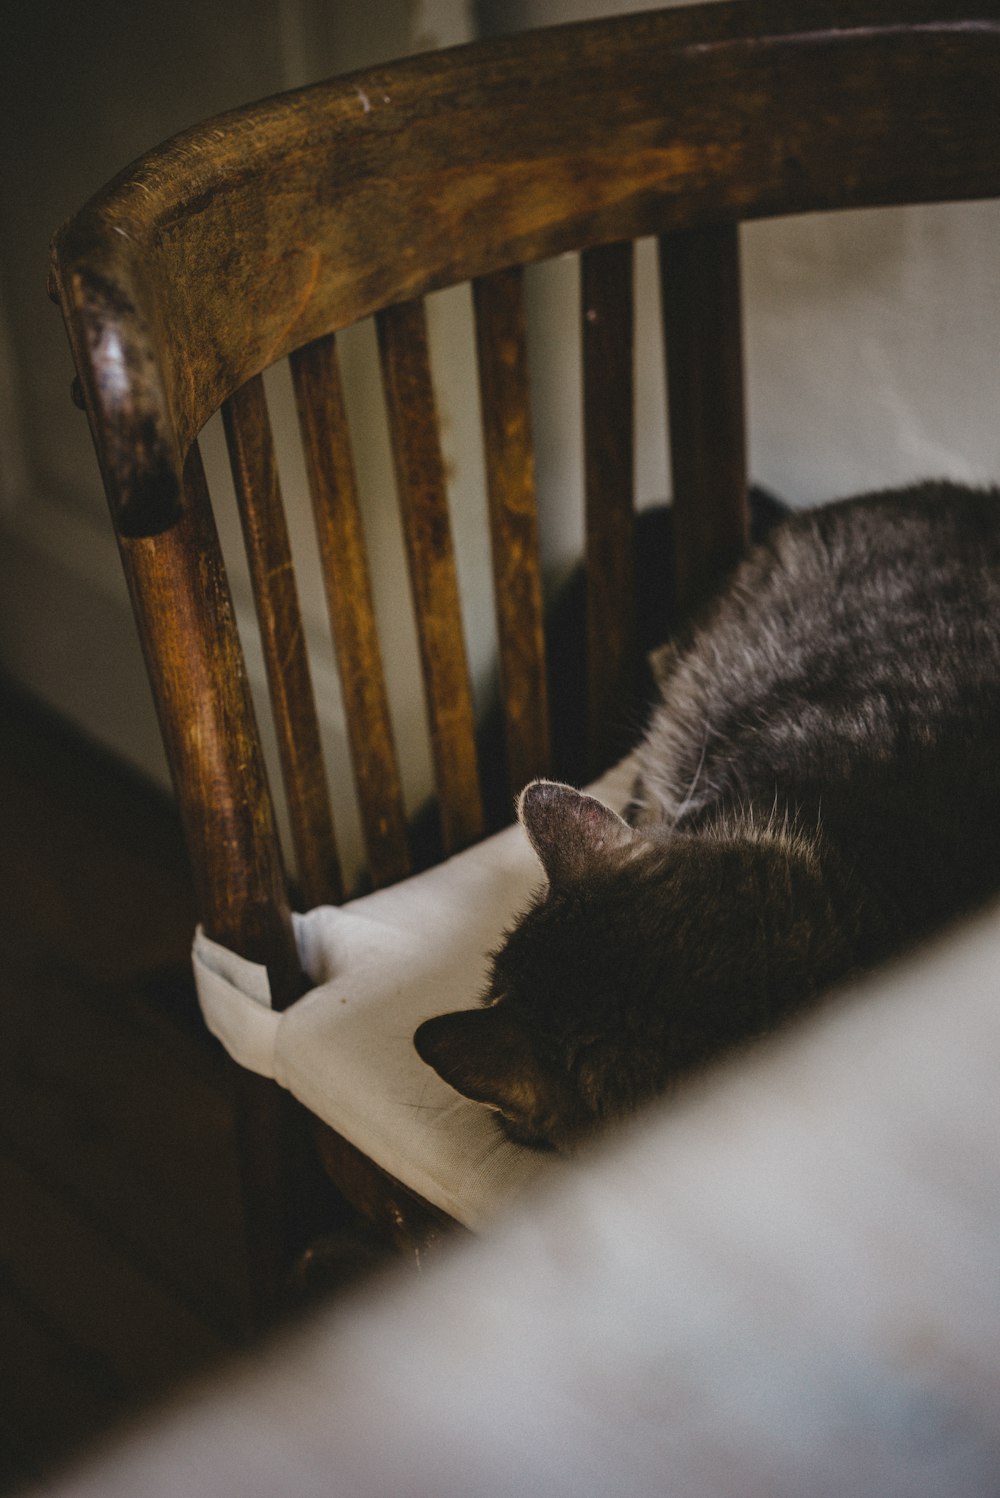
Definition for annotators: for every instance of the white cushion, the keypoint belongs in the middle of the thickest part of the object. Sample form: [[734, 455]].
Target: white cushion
[[381, 965]]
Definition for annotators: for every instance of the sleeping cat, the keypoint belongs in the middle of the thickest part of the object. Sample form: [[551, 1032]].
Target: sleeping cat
[[819, 786]]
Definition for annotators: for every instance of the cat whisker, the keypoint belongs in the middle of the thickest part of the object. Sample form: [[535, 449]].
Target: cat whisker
[[697, 776]]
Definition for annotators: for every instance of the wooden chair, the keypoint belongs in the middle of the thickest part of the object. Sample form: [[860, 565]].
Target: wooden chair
[[262, 234]]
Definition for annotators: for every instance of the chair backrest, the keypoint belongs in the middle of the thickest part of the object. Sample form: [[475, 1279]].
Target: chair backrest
[[264, 233]]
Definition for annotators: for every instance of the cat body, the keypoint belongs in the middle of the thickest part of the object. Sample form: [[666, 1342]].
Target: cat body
[[818, 787]]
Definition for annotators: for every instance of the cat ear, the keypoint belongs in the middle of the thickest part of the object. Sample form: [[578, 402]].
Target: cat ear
[[486, 1056], [570, 831]]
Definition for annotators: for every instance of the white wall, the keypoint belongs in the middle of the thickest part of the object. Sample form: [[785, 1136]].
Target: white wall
[[871, 343]]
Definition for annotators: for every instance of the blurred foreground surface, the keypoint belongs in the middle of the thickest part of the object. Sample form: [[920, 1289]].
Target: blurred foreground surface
[[786, 1283]]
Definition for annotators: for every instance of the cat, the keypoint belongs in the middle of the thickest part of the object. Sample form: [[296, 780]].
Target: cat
[[818, 787]]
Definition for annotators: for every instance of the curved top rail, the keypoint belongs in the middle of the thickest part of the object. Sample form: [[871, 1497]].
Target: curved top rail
[[248, 236]]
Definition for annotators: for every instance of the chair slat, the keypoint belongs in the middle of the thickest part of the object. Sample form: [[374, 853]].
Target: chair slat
[[403, 346], [501, 348], [332, 483], [700, 284], [255, 476], [606, 275], [186, 621]]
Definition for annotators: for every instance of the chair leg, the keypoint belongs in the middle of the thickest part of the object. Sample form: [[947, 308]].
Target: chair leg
[[406, 1221], [317, 1212], [287, 1200]]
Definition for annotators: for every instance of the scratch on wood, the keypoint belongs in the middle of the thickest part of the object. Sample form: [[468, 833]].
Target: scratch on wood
[[279, 342]]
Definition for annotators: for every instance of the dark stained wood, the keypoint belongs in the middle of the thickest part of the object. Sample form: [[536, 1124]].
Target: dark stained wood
[[700, 288], [501, 348], [255, 476], [185, 616], [405, 1219], [114, 1109], [607, 341], [420, 477], [121, 1257], [248, 237], [122, 1262], [41, 1268], [333, 487], [433, 170]]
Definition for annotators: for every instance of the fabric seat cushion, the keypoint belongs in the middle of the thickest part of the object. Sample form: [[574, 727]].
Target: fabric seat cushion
[[381, 965]]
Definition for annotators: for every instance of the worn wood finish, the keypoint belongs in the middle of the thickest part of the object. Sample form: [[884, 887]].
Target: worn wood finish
[[700, 289], [318, 394], [110, 1096], [502, 355], [185, 615], [650, 123], [407, 1221], [255, 476], [249, 237], [420, 477], [606, 276]]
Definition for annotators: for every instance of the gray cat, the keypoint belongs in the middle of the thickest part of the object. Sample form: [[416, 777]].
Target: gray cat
[[818, 787]]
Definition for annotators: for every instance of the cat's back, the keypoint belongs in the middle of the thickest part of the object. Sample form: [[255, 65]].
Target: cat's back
[[861, 633], [881, 556]]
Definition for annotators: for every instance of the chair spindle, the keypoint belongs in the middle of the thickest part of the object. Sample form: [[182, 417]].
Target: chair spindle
[[501, 348], [333, 486], [700, 285], [255, 476], [606, 277], [193, 656], [420, 476]]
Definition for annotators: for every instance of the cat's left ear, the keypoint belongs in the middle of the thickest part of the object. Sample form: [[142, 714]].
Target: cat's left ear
[[487, 1056], [572, 833]]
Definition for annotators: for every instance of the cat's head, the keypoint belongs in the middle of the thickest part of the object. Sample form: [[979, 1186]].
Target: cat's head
[[551, 1048], [648, 954]]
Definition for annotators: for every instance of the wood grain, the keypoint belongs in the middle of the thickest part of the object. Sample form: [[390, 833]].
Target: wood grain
[[332, 484], [423, 499], [185, 614], [184, 611], [248, 236], [252, 236], [502, 355], [255, 476]]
